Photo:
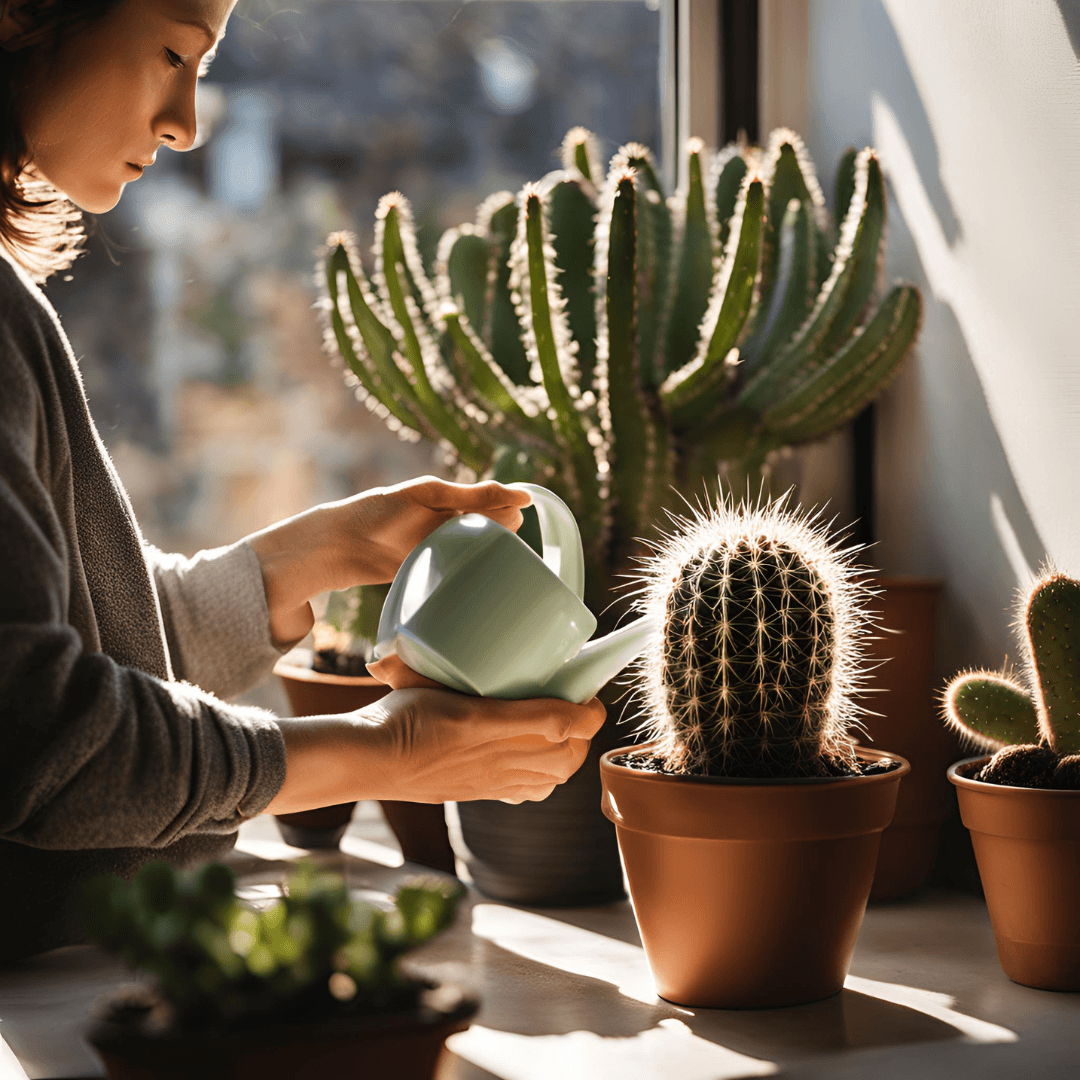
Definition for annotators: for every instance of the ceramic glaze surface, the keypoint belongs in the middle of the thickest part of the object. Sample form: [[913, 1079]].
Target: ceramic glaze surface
[[475, 608]]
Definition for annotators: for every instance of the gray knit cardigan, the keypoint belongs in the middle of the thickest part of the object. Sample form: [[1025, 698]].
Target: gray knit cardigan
[[115, 744]]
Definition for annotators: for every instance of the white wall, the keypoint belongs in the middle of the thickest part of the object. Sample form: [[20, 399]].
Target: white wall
[[975, 108]]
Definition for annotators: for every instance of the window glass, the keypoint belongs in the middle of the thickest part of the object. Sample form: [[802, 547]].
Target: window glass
[[201, 353]]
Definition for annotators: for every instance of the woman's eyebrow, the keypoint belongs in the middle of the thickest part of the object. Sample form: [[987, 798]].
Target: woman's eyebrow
[[200, 25]]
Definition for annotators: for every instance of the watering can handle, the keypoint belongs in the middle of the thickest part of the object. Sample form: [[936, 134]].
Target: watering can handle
[[560, 536]]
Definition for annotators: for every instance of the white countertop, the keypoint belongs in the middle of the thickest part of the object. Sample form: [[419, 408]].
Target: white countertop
[[567, 994]]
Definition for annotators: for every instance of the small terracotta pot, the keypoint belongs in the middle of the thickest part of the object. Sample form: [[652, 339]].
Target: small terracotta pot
[[1027, 845], [748, 893], [405, 1046], [420, 828], [908, 721]]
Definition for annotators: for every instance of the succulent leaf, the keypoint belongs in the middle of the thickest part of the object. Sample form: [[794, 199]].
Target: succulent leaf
[[845, 182], [580, 153], [694, 273], [989, 710], [1052, 623]]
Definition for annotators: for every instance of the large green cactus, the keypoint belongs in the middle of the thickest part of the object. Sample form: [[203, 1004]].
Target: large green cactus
[[754, 669], [656, 344], [1035, 732]]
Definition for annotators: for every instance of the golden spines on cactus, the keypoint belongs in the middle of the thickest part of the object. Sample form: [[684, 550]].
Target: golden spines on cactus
[[756, 669]]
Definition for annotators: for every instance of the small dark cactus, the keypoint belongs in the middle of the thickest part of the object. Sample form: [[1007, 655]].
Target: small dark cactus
[[1034, 732], [759, 658]]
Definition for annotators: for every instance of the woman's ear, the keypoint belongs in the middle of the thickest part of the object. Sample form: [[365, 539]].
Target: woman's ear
[[17, 28]]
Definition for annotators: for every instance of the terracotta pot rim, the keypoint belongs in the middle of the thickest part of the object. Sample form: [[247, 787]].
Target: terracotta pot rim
[[607, 763], [306, 674], [958, 770]]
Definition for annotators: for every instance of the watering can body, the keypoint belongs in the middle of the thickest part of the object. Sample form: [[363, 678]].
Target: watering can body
[[476, 609]]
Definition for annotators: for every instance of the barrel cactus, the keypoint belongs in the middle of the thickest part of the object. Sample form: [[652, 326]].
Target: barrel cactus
[[593, 335], [1033, 729], [757, 665]]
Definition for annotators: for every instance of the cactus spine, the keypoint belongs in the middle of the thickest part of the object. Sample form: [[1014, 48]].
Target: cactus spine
[[755, 670], [1034, 729], [616, 345]]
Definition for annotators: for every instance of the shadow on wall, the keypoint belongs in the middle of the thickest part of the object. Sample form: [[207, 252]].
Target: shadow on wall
[[1070, 16], [948, 503]]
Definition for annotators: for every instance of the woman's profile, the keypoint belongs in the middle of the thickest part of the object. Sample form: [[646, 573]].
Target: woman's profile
[[117, 745]]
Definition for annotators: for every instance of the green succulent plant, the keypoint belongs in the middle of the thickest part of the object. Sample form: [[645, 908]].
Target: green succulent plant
[[1033, 729], [219, 961], [617, 346], [758, 659]]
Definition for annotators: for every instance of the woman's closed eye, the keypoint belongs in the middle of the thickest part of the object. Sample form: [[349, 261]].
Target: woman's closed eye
[[177, 61]]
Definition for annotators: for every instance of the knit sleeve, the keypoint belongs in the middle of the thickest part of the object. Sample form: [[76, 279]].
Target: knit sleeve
[[216, 621], [93, 753]]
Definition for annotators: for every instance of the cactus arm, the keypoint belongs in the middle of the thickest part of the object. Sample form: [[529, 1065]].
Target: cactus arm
[[695, 271], [580, 154], [390, 385], [492, 384], [572, 221], [832, 394], [498, 217], [694, 395], [726, 180], [462, 264], [990, 711], [845, 182], [1052, 623], [653, 259], [859, 242], [458, 432], [547, 338], [867, 259], [638, 446]]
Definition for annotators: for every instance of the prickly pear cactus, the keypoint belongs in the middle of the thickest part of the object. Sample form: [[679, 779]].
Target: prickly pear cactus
[[1034, 732], [616, 345], [755, 671]]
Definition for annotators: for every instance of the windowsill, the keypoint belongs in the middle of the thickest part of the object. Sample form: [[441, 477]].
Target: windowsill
[[567, 992]]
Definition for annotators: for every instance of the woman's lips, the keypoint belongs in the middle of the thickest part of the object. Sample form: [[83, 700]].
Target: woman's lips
[[136, 168]]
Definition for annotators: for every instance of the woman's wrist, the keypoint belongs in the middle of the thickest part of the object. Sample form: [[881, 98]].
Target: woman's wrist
[[328, 760]]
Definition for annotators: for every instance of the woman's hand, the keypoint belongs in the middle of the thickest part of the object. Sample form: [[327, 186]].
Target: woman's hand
[[434, 746], [363, 540]]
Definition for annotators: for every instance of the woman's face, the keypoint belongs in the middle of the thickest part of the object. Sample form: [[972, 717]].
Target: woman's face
[[117, 91]]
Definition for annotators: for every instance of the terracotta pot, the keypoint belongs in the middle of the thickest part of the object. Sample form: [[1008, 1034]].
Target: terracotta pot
[[561, 852], [904, 693], [420, 828], [1027, 845], [748, 893], [405, 1046]]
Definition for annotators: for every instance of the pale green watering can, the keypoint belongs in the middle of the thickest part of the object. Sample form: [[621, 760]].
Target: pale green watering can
[[475, 608]]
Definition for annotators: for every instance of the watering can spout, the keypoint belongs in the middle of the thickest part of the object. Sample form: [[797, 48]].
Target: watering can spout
[[580, 678]]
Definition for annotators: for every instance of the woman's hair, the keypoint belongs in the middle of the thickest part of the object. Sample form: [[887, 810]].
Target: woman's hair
[[39, 226]]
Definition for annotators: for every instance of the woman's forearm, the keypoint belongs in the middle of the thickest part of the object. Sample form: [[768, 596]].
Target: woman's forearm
[[328, 761]]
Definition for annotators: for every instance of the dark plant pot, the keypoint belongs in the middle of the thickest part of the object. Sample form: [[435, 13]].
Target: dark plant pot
[[420, 828], [748, 893], [559, 852], [406, 1046], [910, 725], [1027, 845]]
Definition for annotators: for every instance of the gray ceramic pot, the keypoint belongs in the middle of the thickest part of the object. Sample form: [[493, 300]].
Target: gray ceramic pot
[[559, 852]]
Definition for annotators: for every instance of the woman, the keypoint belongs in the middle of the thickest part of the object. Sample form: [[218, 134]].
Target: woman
[[115, 743]]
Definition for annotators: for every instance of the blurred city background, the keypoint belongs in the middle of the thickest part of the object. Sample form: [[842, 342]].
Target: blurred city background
[[192, 312]]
